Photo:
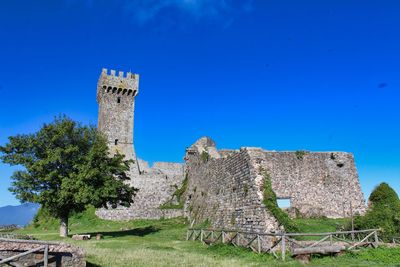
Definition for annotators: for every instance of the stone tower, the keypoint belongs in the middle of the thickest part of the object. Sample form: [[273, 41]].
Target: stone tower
[[116, 99]]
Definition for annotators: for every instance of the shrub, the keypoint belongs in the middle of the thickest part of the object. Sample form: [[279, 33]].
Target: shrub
[[383, 212]]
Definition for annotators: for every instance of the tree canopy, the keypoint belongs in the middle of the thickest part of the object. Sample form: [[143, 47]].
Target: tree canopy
[[67, 166]]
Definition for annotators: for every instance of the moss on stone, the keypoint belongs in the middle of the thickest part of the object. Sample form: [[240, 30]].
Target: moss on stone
[[245, 189], [170, 206], [204, 156], [233, 219], [271, 204], [300, 154], [179, 196]]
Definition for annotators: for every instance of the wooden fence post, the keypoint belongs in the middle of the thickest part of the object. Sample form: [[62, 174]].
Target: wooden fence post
[[283, 245], [259, 244], [201, 235], [46, 255], [376, 237]]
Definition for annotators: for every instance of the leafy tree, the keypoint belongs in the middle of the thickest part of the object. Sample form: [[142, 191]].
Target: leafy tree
[[67, 166], [383, 212]]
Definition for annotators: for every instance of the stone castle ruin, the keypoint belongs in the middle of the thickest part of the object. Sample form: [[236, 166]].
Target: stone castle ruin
[[226, 187], [223, 187], [116, 98]]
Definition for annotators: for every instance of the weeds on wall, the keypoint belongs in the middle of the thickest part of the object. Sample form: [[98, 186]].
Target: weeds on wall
[[245, 189], [271, 204], [300, 154], [178, 194], [204, 225], [204, 156]]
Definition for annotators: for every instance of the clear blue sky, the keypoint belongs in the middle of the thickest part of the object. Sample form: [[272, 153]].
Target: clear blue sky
[[282, 75]]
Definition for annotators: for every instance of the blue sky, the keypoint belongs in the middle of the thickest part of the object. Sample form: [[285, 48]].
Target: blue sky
[[282, 75]]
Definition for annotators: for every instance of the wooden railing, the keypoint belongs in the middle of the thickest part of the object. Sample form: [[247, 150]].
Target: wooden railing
[[43, 246], [396, 240], [16, 236], [8, 227], [274, 242]]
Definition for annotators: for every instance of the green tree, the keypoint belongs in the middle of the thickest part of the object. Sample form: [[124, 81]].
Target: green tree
[[67, 166], [383, 212]]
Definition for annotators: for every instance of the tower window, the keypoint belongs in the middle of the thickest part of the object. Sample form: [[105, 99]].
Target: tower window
[[118, 100], [116, 142]]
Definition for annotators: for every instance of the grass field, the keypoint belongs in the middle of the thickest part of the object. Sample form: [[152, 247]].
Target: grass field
[[162, 243]]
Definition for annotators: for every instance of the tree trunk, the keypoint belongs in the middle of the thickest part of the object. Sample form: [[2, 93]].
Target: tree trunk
[[64, 226]]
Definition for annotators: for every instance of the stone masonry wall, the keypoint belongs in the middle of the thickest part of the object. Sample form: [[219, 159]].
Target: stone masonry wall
[[227, 188], [227, 192], [156, 186], [317, 183], [60, 254]]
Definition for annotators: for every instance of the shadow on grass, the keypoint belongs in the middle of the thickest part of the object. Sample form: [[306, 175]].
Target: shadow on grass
[[89, 264], [130, 232]]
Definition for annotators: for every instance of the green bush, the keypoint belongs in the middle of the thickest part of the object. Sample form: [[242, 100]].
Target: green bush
[[383, 212], [271, 204]]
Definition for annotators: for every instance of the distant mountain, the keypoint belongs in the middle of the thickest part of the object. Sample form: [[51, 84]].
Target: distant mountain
[[20, 215]]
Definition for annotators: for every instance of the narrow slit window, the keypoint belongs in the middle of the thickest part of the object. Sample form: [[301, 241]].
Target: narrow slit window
[[116, 142], [118, 100]]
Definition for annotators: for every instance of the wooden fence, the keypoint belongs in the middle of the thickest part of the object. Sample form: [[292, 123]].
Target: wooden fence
[[8, 227], [274, 242], [16, 236], [44, 246]]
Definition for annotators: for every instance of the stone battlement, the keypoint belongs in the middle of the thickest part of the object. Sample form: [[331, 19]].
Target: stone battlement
[[126, 84], [121, 74]]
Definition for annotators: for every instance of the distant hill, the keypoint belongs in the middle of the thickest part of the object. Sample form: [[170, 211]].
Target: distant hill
[[20, 215]]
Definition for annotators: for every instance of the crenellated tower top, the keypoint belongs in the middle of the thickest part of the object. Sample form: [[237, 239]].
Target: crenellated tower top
[[124, 84]]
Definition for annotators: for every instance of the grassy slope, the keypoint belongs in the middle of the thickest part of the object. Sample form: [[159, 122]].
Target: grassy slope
[[320, 225], [162, 243]]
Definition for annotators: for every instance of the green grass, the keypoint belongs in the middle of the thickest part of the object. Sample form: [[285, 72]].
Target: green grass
[[320, 225], [162, 243]]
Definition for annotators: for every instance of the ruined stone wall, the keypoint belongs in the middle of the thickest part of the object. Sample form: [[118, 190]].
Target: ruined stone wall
[[227, 192], [227, 188], [317, 183], [60, 254], [156, 186]]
